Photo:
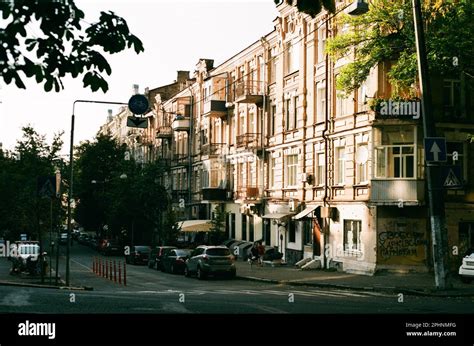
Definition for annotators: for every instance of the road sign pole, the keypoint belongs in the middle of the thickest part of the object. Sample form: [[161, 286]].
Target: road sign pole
[[435, 200]]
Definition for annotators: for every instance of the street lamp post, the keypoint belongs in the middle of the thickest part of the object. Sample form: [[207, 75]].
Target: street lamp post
[[71, 176]]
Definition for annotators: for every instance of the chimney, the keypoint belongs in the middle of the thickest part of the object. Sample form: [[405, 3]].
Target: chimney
[[183, 76], [135, 89]]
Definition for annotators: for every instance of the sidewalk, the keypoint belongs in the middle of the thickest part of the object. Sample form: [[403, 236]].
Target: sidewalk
[[412, 283]]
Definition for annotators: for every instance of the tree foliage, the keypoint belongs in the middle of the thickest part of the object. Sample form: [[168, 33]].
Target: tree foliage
[[311, 7], [48, 40], [21, 209], [386, 34], [217, 230]]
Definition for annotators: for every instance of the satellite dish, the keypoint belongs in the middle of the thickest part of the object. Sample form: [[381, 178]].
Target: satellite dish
[[362, 155]]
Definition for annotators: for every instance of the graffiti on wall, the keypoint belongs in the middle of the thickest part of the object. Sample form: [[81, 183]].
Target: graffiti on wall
[[404, 245]]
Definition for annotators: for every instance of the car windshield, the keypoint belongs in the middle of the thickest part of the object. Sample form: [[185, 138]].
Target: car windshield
[[182, 252], [142, 248], [218, 252]]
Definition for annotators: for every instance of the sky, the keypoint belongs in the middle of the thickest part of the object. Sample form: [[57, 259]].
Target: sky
[[175, 35]]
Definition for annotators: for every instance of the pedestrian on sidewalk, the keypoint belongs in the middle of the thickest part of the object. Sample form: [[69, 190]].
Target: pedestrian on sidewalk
[[254, 254], [261, 252]]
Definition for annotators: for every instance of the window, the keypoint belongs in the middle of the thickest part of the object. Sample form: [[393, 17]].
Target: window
[[321, 44], [242, 127], [320, 101], [272, 172], [320, 169], [452, 98], [268, 233], [352, 241], [344, 104], [291, 231], [251, 228], [307, 232], [291, 114], [295, 112], [244, 227], [272, 67], [287, 114], [232, 225], [362, 173], [459, 149], [362, 104], [272, 119], [292, 57], [395, 152], [340, 166], [291, 170]]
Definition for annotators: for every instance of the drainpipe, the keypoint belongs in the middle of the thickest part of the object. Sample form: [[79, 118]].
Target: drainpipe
[[190, 147], [264, 42], [326, 143]]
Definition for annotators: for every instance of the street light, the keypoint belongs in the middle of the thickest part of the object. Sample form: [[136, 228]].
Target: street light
[[71, 176]]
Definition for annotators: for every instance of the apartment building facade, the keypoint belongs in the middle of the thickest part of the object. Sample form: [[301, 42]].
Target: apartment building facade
[[267, 137]]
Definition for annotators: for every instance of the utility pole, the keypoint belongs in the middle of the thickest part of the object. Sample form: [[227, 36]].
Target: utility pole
[[435, 193]]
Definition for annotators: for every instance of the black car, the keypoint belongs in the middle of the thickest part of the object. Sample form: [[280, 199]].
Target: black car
[[155, 256], [110, 247], [174, 261], [139, 254]]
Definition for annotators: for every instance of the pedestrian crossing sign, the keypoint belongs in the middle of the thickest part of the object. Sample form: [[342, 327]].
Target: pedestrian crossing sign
[[452, 177]]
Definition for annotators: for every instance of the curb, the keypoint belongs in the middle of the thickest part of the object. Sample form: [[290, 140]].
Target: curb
[[22, 284], [395, 290]]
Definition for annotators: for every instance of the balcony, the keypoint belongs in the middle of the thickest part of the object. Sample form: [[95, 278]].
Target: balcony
[[164, 163], [212, 149], [176, 195], [248, 193], [180, 160], [215, 108], [164, 132], [249, 141], [397, 191], [249, 92], [215, 194], [181, 123]]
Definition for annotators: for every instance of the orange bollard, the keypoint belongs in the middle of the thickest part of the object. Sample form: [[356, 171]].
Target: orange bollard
[[120, 272], [115, 271], [110, 271], [124, 274]]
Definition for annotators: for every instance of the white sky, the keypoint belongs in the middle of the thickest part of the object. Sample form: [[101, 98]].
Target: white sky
[[175, 34]]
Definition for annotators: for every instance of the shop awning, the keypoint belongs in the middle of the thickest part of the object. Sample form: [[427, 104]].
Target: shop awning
[[195, 226], [306, 211], [277, 216]]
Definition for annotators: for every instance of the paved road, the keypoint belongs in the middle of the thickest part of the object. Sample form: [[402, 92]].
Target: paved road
[[150, 291]]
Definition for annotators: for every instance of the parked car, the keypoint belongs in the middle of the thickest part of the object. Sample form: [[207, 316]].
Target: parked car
[[232, 246], [63, 239], [229, 242], [83, 238], [139, 254], [174, 261], [210, 260], [244, 248], [272, 254], [110, 247], [466, 270], [156, 254]]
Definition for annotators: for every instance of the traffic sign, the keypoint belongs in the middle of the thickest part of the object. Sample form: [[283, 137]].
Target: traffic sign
[[452, 177], [435, 149], [138, 104], [141, 123], [46, 186]]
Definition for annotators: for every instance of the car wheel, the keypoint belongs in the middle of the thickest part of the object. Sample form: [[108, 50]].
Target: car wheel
[[200, 274], [162, 267], [150, 264], [172, 269], [465, 279], [186, 272], [232, 275]]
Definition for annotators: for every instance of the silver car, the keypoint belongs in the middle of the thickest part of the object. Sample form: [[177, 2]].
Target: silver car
[[210, 260]]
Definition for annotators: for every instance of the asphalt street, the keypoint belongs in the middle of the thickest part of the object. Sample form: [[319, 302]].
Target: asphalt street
[[154, 292]]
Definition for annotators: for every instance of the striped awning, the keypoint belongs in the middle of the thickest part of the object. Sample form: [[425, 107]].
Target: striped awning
[[195, 226]]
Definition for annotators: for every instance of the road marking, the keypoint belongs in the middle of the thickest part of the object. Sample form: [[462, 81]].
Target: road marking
[[81, 264], [20, 298]]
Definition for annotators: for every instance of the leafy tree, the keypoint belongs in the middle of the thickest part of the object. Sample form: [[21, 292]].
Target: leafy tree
[[386, 34], [47, 40], [21, 210], [312, 7], [169, 231], [217, 231]]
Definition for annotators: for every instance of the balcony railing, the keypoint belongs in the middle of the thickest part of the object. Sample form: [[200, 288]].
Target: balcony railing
[[164, 132], [248, 193], [215, 108], [165, 163], [176, 195], [249, 92], [396, 191], [216, 194], [180, 160], [213, 149], [249, 141], [181, 123]]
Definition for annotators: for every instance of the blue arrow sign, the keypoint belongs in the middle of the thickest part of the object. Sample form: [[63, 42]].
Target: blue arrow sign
[[435, 149]]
